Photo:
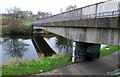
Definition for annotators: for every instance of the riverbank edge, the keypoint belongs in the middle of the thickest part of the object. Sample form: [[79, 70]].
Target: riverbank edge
[[36, 65]]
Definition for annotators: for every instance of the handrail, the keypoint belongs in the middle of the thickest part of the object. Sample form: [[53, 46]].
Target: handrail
[[80, 13], [74, 9]]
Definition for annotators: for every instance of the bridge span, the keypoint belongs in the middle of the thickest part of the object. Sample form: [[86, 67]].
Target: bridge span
[[88, 26]]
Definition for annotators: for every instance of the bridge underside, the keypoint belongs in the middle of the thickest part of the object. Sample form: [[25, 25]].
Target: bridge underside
[[90, 35]]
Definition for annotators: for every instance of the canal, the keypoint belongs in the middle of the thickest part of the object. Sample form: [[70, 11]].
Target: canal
[[31, 47]]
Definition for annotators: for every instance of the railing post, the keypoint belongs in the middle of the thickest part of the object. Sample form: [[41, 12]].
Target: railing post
[[118, 14], [81, 13], [96, 10]]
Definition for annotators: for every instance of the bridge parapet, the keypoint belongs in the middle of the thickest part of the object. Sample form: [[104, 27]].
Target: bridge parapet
[[98, 10], [108, 22]]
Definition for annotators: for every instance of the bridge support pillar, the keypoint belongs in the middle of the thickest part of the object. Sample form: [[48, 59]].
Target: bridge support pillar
[[86, 51]]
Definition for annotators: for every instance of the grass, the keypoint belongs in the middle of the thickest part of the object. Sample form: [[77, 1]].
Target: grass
[[109, 49], [36, 66], [1, 17], [0, 72]]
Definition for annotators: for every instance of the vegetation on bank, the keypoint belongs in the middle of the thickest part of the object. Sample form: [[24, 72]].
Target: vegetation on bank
[[17, 30], [0, 72], [16, 22], [35, 66], [109, 49]]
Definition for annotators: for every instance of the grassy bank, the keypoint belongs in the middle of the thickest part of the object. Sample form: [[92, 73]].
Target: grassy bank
[[15, 26], [17, 30], [108, 50], [36, 66]]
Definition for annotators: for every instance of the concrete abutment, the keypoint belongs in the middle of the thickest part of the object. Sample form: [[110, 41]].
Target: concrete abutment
[[86, 51]]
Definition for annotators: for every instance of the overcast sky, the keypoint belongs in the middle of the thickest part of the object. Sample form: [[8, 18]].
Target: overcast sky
[[52, 6]]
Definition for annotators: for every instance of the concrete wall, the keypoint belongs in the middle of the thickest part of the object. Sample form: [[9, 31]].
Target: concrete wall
[[109, 22]]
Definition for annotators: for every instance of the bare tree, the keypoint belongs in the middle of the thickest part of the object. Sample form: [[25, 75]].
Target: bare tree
[[15, 21], [43, 14], [61, 10], [70, 7], [13, 17]]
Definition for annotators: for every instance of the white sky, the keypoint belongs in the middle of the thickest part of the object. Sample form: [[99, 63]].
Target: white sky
[[52, 6]]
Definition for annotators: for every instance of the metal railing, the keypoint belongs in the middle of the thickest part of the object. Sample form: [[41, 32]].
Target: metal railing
[[84, 13]]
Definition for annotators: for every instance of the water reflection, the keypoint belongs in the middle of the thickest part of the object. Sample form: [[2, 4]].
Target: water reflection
[[41, 46], [64, 45], [59, 44], [14, 47], [17, 48], [33, 47]]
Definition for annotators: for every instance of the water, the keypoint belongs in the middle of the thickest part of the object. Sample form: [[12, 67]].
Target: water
[[25, 48], [31, 47]]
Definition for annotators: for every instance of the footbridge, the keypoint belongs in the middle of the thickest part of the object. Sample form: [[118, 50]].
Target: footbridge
[[88, 26]]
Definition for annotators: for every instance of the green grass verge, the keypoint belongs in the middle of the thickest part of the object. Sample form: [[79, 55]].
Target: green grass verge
[[0, 72], [36, 66], [109, 49], [1, 17]]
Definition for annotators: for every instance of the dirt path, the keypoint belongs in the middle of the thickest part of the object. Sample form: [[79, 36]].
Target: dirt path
[[100, 66]]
